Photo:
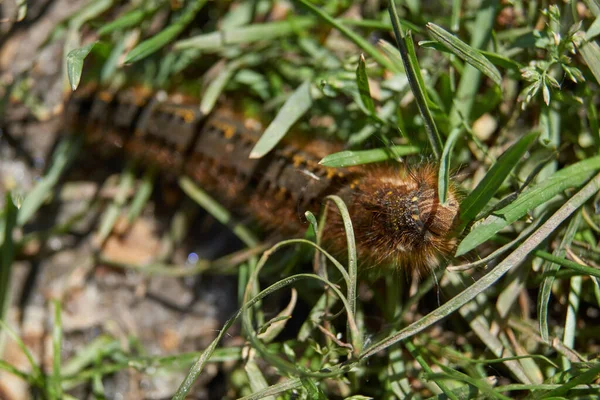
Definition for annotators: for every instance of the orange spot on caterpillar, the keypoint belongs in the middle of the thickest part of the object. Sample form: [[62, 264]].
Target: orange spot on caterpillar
[[228, 130], [105, 95]]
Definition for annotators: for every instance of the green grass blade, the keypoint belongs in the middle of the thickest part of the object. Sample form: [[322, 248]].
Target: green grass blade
[[417, 85], [217, 85], [55, 387], [293, 109], [130, 19], [549, 271], [110, 216], [584, 378], [568, 177], [158, 41], [356, 38], [65, 153], [465, 52], [256, 378], [274, 390], [590, 51], [352, 269], [444, 170], [351, 158], [142, 194], [217, 211], [7, 253], [494, 58], [246, 34], [414, 351], [470, 79], [485, 190], [393, 54], [362, 81]]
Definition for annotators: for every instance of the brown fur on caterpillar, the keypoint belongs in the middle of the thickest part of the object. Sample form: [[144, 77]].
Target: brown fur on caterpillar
[[396, 214]]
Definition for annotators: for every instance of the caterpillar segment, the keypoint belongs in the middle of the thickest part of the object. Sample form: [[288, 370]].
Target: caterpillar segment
[[395, 211]]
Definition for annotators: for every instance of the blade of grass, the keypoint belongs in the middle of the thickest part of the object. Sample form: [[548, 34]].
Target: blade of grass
[[362, 81], [256, 378], [65, 153], [513, 259], [217, 85], [350, 158], [158, 41], [465, 52], [549, 271], [352, 268], [476, 314], [7, 253], [354, 37], [279, 388], [585, 378], [142, 194], [55, 384], [110, 216], [495, 58], [274, 327], [571, 176], [444, 169], [130, 19], [217, 211], [36, 376], [204, 358], [246, 34], [409, 60], [470, 79], [590, 51], [293, 109], [574, 299], [421, 360], [485, 190]]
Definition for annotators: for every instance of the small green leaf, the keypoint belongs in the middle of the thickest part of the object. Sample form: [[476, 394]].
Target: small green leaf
[[362, 81], [485, 190], [75, 63], [465, 52], [569, 177], [293, 109], [350, 158]]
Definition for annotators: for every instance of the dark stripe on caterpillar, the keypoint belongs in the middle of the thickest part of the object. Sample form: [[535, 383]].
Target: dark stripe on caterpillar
[[396, 213]]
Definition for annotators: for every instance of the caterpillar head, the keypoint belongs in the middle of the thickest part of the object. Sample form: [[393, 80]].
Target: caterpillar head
[[400, 220]]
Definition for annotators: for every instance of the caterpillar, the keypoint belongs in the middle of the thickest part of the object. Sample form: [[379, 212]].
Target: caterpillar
[[395, 211]]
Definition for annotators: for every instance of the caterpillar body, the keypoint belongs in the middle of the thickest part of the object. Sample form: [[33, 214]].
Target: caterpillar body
[[395, 211]]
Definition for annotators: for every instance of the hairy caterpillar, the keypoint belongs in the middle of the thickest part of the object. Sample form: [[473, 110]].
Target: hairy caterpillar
[[395, 210]]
